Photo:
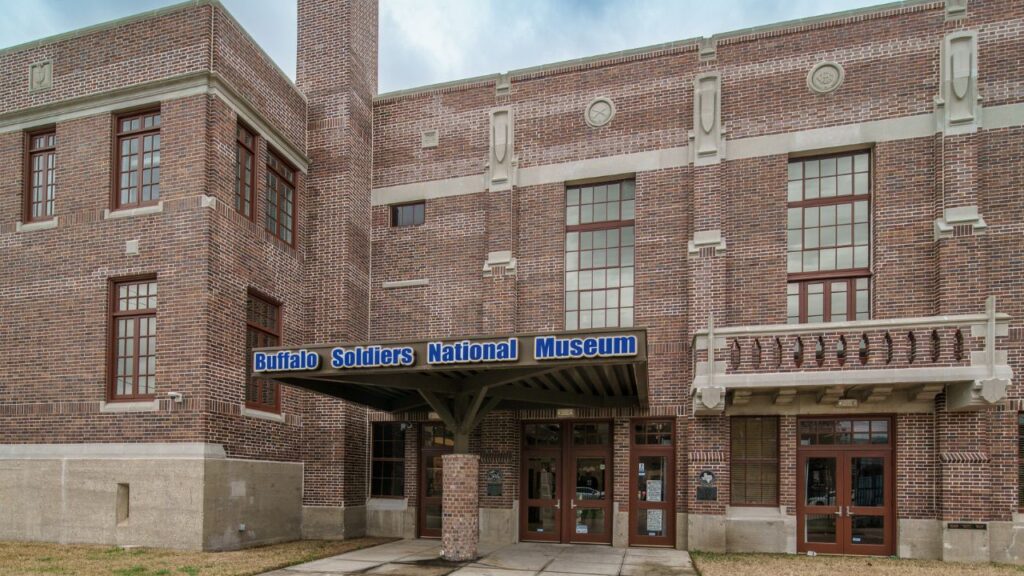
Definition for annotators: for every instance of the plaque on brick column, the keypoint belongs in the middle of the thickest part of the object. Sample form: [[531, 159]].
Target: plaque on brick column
[[706, 489]]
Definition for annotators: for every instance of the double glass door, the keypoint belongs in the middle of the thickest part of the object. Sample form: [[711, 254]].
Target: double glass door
[[845, 492], [566, 487]]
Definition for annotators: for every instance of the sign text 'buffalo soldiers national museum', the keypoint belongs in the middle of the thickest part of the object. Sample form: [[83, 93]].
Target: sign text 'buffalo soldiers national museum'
[[761, 291]]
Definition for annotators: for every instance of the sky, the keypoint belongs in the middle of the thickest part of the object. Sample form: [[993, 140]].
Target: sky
[[430, 41]]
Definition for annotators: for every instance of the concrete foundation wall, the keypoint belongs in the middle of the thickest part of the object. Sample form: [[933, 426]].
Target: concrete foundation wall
[[499, 525], [760, 530], [390, 517], [185, 496], [76, 501], [333, 522], [706, 532], [250, 503], [921, 539]]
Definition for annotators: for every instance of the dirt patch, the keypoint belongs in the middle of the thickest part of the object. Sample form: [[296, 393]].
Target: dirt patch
[[44, 559], [798, 565]]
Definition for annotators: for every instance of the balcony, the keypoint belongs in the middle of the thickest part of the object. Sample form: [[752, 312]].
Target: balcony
[[847, 364]]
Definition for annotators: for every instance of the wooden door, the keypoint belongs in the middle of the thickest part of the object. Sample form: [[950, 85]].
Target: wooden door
[[589, 483], [541, 483], [435, 441], [652, 483]]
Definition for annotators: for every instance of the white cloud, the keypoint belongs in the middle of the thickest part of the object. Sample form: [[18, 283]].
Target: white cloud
[[431, 41]]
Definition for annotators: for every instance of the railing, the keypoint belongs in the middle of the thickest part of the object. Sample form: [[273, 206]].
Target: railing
[[927, 351]]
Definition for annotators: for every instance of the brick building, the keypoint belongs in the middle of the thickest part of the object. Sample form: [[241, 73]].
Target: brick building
[[755, 292]]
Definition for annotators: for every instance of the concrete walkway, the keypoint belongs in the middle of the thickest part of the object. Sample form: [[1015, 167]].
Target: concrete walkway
[[421, 558]]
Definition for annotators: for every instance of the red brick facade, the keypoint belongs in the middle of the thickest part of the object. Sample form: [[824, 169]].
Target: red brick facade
[[353, 277]]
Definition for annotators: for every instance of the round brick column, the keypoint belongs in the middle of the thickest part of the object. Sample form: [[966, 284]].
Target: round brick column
[[460, 519]]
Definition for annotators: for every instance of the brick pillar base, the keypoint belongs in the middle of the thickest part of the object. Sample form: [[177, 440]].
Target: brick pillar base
[[460, 520]]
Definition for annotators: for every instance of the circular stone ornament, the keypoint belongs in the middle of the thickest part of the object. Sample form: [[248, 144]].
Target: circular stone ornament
[[599, 112], [825, 77]]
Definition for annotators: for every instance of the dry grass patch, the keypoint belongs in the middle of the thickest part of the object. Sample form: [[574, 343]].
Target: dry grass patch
[[799, 565], [37, 558]]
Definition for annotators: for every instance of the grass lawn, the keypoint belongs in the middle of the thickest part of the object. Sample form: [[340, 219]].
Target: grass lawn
[[37, 558], [799, 565]]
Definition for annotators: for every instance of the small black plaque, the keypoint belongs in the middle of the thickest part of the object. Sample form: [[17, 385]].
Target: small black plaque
[[707, 493], [966, 526], [494, 489]]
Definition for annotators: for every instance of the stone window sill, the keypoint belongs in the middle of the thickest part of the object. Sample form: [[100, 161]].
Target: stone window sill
[[406, 283], [253, 413], [33, 226], [141, 406], [381, 503], [109, 214]]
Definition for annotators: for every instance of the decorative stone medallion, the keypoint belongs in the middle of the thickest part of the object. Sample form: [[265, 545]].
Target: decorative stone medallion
[[599, 112], [40, 76], [825, 77]]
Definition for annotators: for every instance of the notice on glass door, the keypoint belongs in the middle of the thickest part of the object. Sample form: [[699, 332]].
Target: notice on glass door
[[654, 490], [655, 521]]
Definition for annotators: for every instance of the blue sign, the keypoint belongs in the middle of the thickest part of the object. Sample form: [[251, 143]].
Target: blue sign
[[468, 351], [372, 357], [553, 348], [285, 360]]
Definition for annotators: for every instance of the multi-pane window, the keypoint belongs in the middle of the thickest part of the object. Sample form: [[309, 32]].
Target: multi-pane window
[[754, 469], [42, 164], [387, 469], [829, 300], [245, 171], [599, 251], [407, 214], [263, 328], [138, 163], [829, 238], [280, 198], [133, 319]]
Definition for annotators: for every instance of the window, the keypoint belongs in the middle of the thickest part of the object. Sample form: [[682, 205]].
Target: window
[[138, 168], [407, 214], [599, 255], [280, 198], [828, 237], [133, 319], [829, 300], [42, 169], [263, 328], [245, 167], [754, 469], [387, 474]]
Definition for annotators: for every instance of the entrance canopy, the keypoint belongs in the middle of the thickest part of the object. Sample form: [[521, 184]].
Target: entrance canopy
[[464, 379]]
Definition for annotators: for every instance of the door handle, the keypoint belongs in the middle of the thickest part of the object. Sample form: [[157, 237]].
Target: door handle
[[839, 512], [572, 503], [847, 511], [558, 504]]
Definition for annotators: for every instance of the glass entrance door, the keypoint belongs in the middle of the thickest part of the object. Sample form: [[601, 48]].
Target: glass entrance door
[[652, 469], [590, 504], [845, 497], [435, 441], [541, 484]]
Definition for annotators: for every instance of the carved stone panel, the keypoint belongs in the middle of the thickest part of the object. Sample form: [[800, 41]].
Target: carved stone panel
[[958, 101], [707, 119], [501, 158], [825, 77], [599, 112], [40, 76]]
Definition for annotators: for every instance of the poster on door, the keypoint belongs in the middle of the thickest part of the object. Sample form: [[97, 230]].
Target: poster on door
[[655, 521], [654, 490]]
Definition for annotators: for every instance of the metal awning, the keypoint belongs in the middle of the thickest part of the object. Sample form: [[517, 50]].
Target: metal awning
[[602, 369]]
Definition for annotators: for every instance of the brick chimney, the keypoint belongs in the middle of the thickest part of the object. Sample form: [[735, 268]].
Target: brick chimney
[[337, 71]]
